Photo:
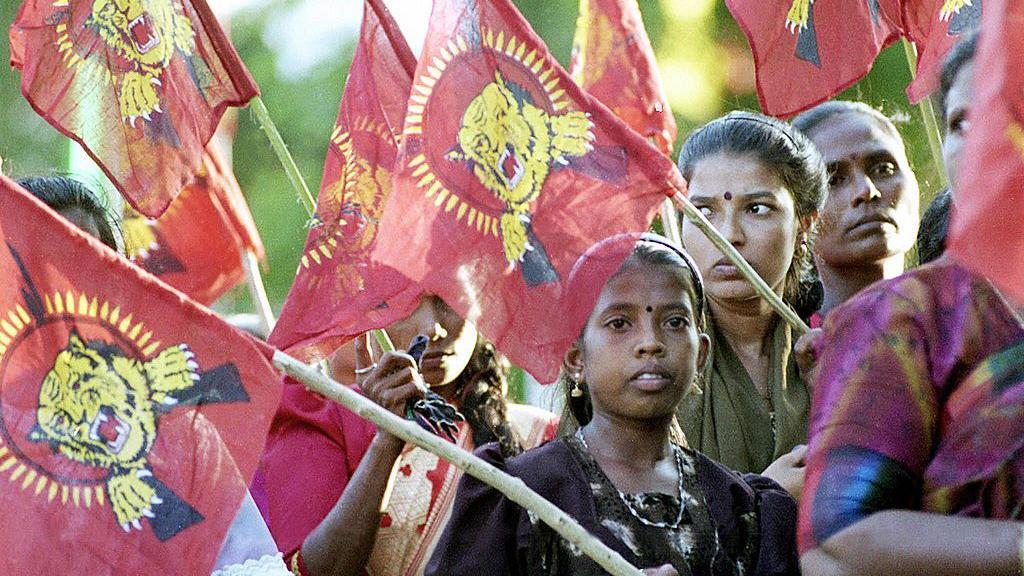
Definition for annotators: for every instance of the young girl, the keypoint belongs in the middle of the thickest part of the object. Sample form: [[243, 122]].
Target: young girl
[[760, 182], [664, 508]]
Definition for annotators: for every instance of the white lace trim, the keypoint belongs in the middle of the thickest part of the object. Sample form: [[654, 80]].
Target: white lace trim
[[269, 565]]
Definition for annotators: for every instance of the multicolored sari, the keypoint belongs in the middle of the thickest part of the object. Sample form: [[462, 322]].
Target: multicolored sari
[[918, 404]]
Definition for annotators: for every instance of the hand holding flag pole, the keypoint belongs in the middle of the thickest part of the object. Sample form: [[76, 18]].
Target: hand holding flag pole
[[513, 488]]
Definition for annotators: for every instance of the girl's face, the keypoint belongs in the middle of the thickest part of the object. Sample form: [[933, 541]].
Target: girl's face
[[452, 340], [958, 102], [753, 210], [640, 349], [871, 213]]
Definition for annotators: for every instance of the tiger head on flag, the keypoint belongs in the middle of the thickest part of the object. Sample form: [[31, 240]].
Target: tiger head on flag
[[141, 85]]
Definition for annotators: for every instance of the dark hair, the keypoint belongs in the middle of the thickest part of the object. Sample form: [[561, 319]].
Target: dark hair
[[785, 151], [480, 389], [931, 237], [959, 56], [811, 119], [63, 193], [652, 250]]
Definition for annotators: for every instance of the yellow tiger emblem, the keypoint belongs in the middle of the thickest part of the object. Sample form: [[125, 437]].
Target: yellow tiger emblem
[[100, 408], [510, 144], [146, 34]]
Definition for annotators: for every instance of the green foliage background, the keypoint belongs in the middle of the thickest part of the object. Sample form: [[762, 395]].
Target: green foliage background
[[695, 36]]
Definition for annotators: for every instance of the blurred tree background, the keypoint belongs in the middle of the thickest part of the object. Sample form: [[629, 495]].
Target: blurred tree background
[[703, 57]]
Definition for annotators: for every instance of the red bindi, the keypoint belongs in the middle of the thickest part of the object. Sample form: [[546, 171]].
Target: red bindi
[[728, 195]]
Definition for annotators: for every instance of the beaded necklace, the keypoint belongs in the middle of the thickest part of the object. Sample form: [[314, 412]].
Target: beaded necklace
[[629, 505]]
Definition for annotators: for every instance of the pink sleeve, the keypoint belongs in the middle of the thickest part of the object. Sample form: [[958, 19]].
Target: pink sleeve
[[313, 448]]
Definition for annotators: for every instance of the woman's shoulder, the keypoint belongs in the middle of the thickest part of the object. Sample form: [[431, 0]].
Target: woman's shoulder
[[305, 416], [919, 289]]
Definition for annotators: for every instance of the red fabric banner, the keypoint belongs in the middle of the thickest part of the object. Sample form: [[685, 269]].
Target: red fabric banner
[[140, 85], [338, 292], [612, 59], [985, 234], [934, 26], [131, 420], [197, 245], [806, 52], [509, 172]]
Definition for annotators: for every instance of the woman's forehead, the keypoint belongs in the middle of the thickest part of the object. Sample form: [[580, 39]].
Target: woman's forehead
[[644, 283]]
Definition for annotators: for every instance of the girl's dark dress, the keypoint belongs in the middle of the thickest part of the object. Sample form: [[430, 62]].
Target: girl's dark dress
[[732, 524]]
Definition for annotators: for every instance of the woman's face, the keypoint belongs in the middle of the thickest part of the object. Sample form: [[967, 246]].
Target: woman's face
[[871, 213], [640, 349], [957, 111], [751, 207], [452, 340]]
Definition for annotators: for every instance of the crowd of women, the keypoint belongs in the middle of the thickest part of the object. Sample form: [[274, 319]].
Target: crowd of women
[[698, 435]]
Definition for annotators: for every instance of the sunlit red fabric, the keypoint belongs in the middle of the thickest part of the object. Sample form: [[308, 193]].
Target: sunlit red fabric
[[509, 172], [141, 86], [804, 60], [338, 292], [612, 59], [985, 234], [197, 245], [175, 400], [934, 26]]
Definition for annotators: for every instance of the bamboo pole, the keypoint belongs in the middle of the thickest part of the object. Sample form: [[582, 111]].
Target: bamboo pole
[[258, 291], [928, 115], [259, 109], [745, 269], [511, 487], [670, 223]]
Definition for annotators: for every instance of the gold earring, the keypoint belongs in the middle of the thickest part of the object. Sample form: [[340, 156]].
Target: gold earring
[[576, 392]]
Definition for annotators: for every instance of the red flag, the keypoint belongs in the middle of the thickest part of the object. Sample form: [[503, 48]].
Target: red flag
[[612, 59], [197, 245], [338, 293], [985, 234], [141, 86], [131, 420], [509, 172], [934, 26], [806, 52]]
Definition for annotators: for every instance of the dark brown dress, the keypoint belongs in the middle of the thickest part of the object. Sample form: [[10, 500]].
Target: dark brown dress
[[732, 524]]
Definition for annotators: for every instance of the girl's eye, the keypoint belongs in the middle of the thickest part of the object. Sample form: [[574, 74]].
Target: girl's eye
[[617, 323], [677, 322], [759, 209], [706, 211]]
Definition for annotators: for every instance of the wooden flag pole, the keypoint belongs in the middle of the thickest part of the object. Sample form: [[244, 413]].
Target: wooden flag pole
[[745, 269], [511, 487], [259, 109], [299, 183], [928, 115], [258, 291], [670, 223]]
